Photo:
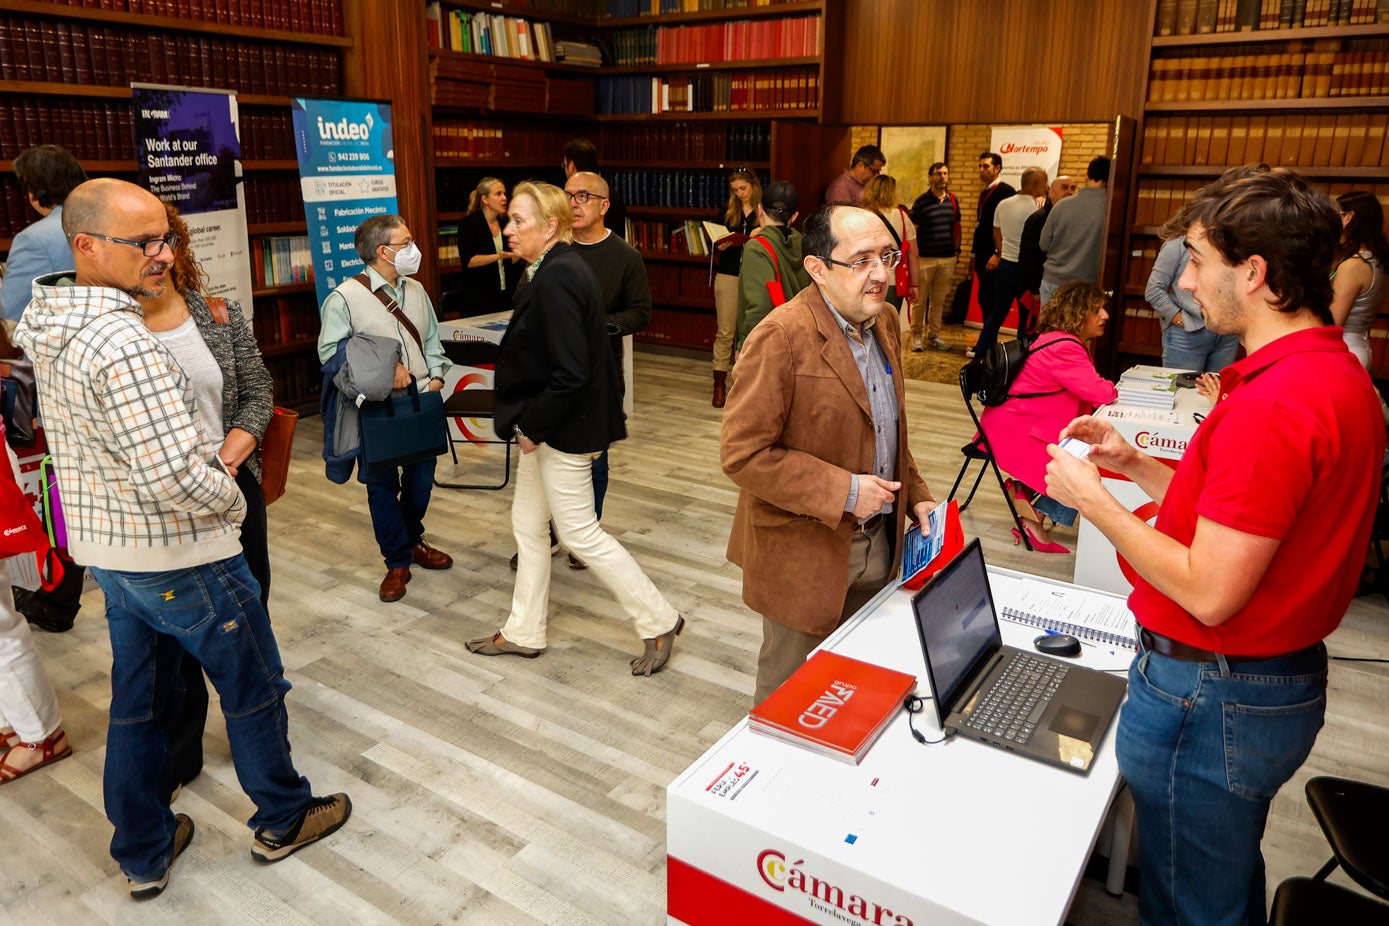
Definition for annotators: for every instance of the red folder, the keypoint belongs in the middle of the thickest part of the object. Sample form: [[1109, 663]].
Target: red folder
[[953, 544]]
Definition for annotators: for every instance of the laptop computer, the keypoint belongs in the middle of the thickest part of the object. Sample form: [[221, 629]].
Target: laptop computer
[[1026, 703]]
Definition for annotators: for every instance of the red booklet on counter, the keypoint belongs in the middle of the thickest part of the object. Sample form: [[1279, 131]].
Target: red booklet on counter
[[833, 705]]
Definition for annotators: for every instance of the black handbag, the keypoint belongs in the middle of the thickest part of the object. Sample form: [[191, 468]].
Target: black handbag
[[404, 429]]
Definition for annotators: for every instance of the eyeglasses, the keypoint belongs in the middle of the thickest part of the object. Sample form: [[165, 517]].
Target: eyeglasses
[[582, 197], [150, 247], [889, 259]]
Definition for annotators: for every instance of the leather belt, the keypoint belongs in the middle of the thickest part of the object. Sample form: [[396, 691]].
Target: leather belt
[[868, 526], [1175, 649]]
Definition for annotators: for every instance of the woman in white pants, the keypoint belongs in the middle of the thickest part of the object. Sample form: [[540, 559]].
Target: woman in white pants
[[31, 732], [557, 392]]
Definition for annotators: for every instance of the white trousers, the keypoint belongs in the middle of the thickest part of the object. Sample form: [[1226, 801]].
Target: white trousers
[[558, 487], [27, 702]]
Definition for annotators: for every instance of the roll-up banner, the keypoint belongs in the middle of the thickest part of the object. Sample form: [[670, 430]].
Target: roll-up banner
[[187, 144], [1024, 146], [346, 174]]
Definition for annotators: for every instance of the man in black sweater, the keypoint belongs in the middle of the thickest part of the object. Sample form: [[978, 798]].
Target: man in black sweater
[[986, 256], [581, 155]]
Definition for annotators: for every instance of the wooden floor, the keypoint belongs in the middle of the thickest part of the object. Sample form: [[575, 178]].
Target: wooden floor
[[507, 790]]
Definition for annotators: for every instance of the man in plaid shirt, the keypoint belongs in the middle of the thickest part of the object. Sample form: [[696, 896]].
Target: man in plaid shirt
[[155, 514]]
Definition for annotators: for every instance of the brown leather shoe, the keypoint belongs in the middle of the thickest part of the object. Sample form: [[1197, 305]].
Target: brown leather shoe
[[720, 388], [393, 586], [430, 558]]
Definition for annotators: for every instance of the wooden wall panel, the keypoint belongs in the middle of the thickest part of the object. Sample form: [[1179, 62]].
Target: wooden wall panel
[[915, 62]]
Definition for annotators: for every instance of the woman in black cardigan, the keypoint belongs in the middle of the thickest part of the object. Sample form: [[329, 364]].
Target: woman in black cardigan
[[557, 393], [489, 269]]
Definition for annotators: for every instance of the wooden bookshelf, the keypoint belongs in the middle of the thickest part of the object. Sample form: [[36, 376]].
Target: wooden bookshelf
[[1368, 103], [1264, 36], [706, 16], [752, 65], [747, 115], [171, 23]]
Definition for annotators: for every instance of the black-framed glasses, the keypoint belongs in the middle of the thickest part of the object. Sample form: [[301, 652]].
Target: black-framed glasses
[[150, 247], [889, 259], [582, 197]]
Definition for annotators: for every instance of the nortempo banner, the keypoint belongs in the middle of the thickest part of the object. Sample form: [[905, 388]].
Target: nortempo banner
[[187, 145], [346, 175], [1024, 146]]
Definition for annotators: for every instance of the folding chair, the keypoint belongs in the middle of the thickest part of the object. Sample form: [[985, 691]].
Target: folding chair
[[472, 403], [978, 449]]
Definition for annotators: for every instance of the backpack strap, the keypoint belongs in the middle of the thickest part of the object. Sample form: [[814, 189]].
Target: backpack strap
[[775, 291], [393, 308], [896, 238], [1030, 352]]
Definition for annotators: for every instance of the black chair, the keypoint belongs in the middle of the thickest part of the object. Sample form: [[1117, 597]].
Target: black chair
[[1310, 902], [978, 449], [1352, 814], [472, 403]]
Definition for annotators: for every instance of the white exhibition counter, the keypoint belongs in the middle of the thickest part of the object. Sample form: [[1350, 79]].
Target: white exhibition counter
[[761, 831]]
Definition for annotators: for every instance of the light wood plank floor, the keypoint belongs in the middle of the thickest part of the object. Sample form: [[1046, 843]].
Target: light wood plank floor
[[506, 790]]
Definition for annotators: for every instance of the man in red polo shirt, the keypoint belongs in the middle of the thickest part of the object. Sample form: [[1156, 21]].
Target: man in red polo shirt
[[1255, 555]]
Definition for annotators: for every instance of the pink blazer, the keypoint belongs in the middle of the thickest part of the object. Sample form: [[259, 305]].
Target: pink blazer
[[1020, 429]]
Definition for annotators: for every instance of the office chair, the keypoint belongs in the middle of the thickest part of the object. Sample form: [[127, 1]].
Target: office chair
[[1309, 902], [971, 379], [1352, 815], [472, 403]]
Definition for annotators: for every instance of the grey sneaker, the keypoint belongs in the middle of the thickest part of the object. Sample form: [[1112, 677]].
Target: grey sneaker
[[916, 345], [183, 835], [323, 817], [939, 344]]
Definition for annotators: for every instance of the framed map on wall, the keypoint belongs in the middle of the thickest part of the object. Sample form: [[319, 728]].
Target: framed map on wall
[[910, 151]]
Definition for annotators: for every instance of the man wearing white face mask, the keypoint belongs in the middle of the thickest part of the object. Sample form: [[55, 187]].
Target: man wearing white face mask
[[383, 300]]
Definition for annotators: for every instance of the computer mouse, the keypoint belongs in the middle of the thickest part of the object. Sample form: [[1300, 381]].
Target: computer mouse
[[1057, 644]]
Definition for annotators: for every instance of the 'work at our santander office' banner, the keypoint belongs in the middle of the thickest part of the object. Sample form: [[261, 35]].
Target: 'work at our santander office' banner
[[346, 175], [1024, 146], [188, 147]]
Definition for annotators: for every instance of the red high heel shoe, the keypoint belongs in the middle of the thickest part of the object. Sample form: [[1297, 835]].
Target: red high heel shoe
[[1037, 545]]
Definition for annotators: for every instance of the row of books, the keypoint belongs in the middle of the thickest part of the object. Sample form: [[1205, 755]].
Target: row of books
[[622, 9], [1140, 326], [281, 260], [55, 51], [761, 39], [689, 141], [267, 135], [1201, 17], [692, 329], [282, 320], [273, 196], [496, 144], [14, 208], [497, 86], [684, 282], [1294, 75], [794, 89], [666, 237], [488, 34], [322, 17], [671, 189], [298, 376], [1340, 140], [100, 131], [449, 258]]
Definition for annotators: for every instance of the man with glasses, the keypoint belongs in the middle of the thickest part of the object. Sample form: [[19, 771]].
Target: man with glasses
[[382, 300], [155, 515], [581, 155], [815, 438], [868, 162]]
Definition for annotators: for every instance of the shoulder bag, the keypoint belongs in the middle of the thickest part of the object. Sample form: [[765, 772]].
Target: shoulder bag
[[21, 531], [404, 429], [774, 287]]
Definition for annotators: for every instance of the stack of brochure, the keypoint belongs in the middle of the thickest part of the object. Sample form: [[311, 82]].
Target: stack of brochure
[[1150, 387]]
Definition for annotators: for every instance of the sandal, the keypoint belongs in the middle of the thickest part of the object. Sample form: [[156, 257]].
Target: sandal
[[51, 750], [657, 650], [498, 645], [8, 739]]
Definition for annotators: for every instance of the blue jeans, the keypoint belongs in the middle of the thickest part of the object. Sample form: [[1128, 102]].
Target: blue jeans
[[398, 497], [1005, 291], [1044, 294], [1201, 350], [1204, 748], [600, 482], [214, 613]]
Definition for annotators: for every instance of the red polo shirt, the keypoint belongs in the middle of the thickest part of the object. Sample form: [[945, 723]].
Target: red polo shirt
[[1293, 450]]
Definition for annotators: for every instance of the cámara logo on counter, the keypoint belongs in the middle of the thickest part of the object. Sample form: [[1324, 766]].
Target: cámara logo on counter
[[1147, 440], [342, 130], [824, 897]]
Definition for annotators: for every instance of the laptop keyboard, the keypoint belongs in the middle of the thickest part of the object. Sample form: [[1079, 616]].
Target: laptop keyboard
[[1016, 701]]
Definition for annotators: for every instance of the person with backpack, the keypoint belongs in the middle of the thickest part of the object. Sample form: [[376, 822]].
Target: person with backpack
[[772, 270], [1056, 383]]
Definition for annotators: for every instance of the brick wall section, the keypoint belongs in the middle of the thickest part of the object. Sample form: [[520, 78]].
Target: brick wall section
[[1080, 143]]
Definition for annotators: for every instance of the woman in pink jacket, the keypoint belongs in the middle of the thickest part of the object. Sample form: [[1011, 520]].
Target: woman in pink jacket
[[1060, 368]]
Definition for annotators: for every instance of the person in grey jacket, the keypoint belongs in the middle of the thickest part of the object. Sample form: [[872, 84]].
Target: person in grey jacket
[[1074, 232], [1186, 342]]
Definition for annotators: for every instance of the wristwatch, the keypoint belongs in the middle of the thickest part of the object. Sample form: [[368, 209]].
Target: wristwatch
[[516, 429]]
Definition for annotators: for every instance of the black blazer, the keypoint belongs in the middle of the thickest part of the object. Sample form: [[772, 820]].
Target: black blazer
[[481, 290], [984, 231], [556, 376]]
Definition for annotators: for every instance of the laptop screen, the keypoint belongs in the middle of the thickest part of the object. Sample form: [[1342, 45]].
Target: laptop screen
[[957, 624]]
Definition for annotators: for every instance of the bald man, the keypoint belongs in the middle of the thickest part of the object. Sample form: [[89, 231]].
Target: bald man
[[155, 515]]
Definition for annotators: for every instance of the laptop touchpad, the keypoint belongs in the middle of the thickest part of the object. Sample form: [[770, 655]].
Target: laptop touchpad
[[1073, 723]]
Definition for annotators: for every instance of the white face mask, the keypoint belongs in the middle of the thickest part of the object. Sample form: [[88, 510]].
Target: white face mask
[[407, 259]]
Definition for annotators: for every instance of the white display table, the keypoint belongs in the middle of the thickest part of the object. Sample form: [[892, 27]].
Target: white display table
[[760, 831]]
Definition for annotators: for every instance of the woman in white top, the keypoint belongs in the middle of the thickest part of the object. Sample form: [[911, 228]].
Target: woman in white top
[[1357, 283], [880, 196]]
